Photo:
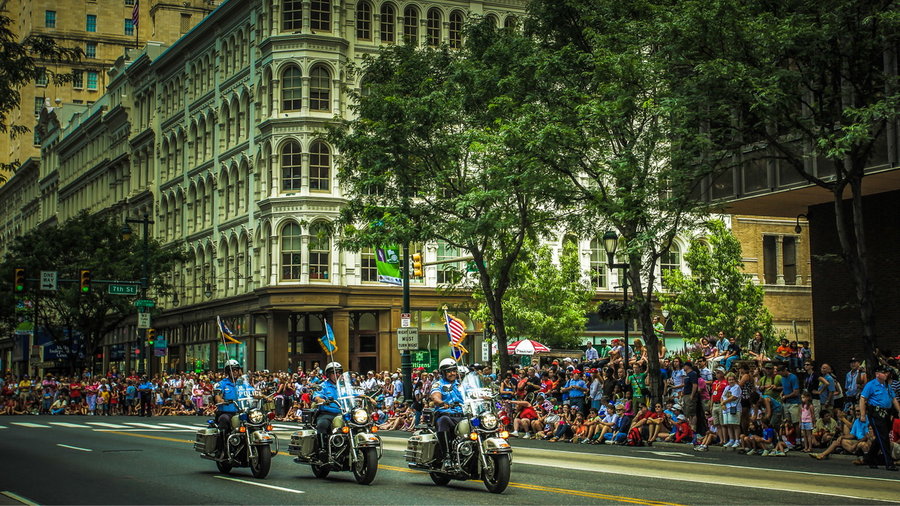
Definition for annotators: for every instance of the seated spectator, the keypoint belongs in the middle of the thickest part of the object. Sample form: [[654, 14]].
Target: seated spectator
[[683, 431], [760, 438], [58, 407], [825, 429], [711, 437], [650, 422], [525, 421], [579, 430], [783, 353], [620, 428], [756, 348]]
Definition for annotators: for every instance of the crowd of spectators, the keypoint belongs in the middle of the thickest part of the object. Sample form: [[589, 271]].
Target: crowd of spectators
[[745, 400]]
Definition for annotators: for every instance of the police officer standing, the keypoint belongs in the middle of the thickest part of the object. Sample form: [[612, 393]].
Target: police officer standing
[[226, 398], [875, 403], [145, 390], [447, 400], [325, 397]]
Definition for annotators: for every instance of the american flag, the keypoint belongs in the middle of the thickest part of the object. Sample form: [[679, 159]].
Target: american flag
[[135, 13], [455, 329]]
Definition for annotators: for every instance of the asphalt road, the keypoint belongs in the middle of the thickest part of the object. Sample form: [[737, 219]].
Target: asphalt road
[[79, 460]]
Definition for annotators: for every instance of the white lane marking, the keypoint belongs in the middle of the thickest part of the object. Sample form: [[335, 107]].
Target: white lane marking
[[273, 487], [110, 425], [34, 425], [147, 425], [17, 497], [67, 424], [180, 426], [75, 447], [3, 427]]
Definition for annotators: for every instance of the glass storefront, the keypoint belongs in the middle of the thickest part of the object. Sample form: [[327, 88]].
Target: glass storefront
[[196, 357]]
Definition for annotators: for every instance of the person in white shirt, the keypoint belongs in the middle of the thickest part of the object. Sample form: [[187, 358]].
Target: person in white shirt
[[731, 412]]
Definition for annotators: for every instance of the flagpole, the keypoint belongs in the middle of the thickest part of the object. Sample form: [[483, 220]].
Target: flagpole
[[225, 344]]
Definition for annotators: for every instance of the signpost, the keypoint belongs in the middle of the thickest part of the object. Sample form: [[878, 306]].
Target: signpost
[[405, 319], [49, 281], [145, 303], [115, 289], [407, 338], [143, 321]]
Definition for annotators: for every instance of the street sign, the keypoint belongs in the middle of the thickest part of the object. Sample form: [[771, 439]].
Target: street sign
[[143, 321], [122, 289], [145, 303], [485, 350], [405, 319], [49, 281], [407, 338]]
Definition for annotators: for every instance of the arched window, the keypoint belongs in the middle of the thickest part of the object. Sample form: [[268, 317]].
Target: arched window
[[292, 15], [364, 21], [319, 167], [493, 20], [320, 15], [291, 90], [387, 23], [290, 166], [411, 24], [455, 29], [510, 22], [319, 89], [669, 261], [291, 246], [447, 273], [319, 250], [433, 34], [598, 264]]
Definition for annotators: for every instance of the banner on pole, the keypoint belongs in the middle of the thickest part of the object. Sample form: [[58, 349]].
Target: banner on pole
[[387, 261]]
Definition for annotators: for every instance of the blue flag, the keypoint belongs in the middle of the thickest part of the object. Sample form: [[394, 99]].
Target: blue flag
[[327, 341]]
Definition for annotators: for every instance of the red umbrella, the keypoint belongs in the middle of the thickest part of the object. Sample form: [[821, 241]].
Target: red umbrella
[[526, 347]]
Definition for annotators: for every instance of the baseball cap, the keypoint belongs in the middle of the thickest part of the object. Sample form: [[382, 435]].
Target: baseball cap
[[883, 368], [603, 341], [681, 418], [677, 406], [853, 359]]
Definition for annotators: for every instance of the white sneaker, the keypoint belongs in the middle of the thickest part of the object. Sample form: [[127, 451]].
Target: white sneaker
[[764, 453], [514, 434], [526, 436]]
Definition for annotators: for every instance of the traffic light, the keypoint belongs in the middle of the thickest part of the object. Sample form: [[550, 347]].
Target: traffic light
[[85, 281], [19, 285], [137, 351], [151, 336], [417, 269]]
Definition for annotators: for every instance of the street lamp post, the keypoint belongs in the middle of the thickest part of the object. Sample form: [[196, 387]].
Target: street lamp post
[[145, 259], [610, 244]]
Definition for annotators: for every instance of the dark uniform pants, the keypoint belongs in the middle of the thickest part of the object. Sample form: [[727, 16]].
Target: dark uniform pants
[[146, 406], [880, 421]]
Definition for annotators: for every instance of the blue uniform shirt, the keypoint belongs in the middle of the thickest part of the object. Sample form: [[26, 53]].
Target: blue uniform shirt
[[449, 393], [329, 393], [877, 394], [146, 386], [574, 393], [229, 393]]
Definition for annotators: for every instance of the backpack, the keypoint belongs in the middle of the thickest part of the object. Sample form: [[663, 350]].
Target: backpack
[[634, 438]]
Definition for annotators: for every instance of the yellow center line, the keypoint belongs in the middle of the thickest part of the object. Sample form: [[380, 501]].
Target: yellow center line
[[541, 488], [132, 434]]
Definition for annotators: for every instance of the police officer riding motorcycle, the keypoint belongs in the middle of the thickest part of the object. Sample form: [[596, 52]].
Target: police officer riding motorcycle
[[240, 434], [339, 434], [460, 438]]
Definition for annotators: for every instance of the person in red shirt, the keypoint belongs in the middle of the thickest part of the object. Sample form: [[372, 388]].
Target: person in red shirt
[[894, 436], [718, 387], [683, 431], [75, 388], [526, 419], [650, 421]]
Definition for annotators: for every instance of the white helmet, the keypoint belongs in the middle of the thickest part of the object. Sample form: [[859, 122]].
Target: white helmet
[[334, 367], [233, 364], [447, 365]]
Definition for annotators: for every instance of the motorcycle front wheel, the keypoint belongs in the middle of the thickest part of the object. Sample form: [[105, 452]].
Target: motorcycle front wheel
[[496, 474], [366, 466], [439, 479], [262, 463]]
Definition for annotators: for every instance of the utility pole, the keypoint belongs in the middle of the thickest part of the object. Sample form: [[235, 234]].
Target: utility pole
[[405, 358]]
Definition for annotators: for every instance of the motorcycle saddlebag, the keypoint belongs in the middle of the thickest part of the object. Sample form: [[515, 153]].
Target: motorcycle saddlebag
[[205, 441], [303, 443], [421, 448]]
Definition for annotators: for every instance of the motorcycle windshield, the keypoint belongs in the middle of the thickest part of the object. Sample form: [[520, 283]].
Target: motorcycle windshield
[[477, 397], [246, 400], [347, 393]]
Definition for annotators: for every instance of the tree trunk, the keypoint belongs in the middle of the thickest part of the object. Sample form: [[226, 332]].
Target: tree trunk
[[860, 271]]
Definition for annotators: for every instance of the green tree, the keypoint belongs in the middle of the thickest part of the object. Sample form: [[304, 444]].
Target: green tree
[[95, 243], [811, 85], [547, 302], [610, 121], [717, 294], [20, 62], [435, 153]]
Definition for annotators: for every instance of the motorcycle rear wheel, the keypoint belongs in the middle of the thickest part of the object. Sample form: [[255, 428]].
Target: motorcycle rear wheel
[[496, 474], [262, 463], [320, 471], [439, 479], [224, 467], [366, 467]]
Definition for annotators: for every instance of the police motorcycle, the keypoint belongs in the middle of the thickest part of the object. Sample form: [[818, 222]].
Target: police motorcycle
[[477, 447], [249, 443], [352, 444]]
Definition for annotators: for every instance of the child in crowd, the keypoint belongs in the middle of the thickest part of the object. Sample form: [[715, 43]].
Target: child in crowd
[[683, 432], [807, 416], [760, 438], [711, 436]]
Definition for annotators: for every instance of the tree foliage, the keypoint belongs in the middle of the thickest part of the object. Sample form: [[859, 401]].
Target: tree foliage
[[435, 153], [90, 242], [20, 62], [547, 302], [811, 85], [717, 294]]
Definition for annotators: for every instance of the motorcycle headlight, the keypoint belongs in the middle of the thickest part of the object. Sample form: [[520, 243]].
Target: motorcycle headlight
[[360, 416], [257, 416], [489, 421]]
